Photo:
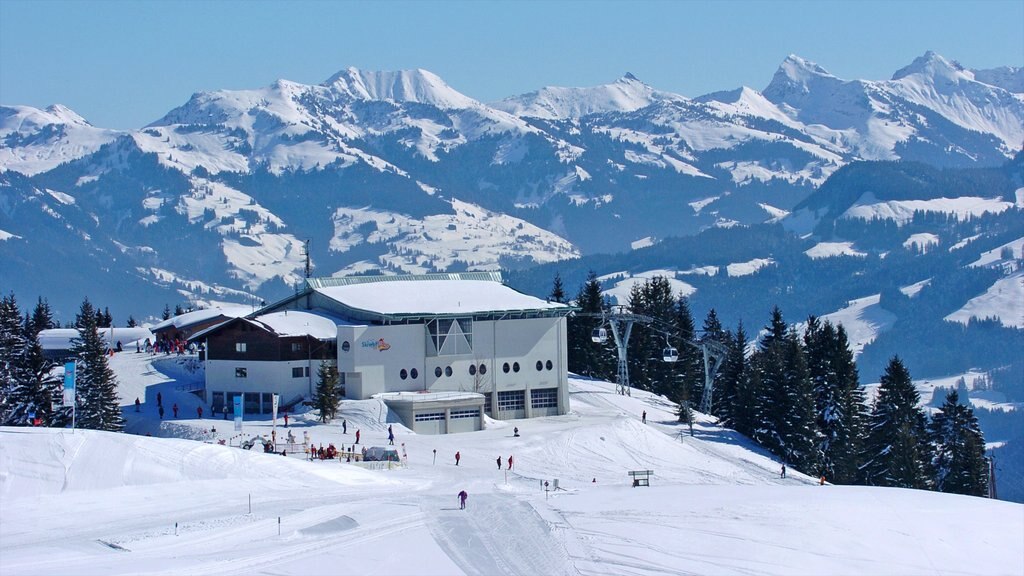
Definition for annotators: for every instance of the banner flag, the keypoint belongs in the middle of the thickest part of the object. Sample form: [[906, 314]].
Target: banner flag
[[274, 406], [69, 383], [238, 413]]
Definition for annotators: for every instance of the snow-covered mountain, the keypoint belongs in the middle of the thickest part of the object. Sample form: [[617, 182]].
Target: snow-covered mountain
[[626, 94], [222, 192]]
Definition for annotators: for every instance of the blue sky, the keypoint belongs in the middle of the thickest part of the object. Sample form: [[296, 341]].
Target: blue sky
[[123, 64]]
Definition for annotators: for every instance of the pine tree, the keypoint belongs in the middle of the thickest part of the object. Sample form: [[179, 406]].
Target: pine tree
[[689, 368], [733, 401], [838, 399], [98, 406], [13, 364], [585, 356], [178, 310], [327, 397], [132, 323], [42, 316], [647, 367], [42, 393], [958, 447], [557, 291], [783, 398], [896, 449], [711, 331]]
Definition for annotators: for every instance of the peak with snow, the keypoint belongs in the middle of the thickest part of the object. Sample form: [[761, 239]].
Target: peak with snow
[[934, 65], [419, 86], [626, 94]]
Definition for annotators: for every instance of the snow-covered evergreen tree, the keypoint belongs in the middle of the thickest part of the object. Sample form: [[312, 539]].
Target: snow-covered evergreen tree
[[42, 393], [733, 400], [896, 451], [98, 405], [13, 364], [327, 394], [647, 368], [958, 459], [784, 421], [838, 399]]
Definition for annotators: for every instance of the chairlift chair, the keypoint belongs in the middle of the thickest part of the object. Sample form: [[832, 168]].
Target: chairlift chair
[[599, 335]]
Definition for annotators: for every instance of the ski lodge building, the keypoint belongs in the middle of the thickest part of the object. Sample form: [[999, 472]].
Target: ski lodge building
[[441, 350]]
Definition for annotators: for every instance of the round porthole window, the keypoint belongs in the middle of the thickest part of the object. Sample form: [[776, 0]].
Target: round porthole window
[[515, 366], [549, 365], [505, 368], [345, 346], [437, 372], [403, 374], [448, 371], [540, 365], [472, 369], [414, 374], [483, 368]]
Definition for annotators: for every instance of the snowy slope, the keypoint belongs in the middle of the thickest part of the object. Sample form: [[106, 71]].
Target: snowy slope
[[34, 140], [126, 504]]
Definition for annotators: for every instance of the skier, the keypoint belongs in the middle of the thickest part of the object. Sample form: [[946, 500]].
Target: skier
[[225, 411], [159, 399], [822, 480], [509, 462], [783, 475], [137, 403], [515, 431], [199, 411], [643, 418], [175, 409], [160, 410], [357, 436], [462, 499], [344, 426], [391, 436], [457, 458], [499, 462], [285, 419]]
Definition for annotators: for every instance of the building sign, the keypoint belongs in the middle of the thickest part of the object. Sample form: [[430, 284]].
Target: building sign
[[380, 344]]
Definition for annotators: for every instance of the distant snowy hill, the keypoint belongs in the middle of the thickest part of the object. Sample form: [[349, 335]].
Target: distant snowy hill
[[626, 94]]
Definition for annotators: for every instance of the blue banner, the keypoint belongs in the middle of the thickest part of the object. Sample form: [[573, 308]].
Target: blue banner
[[69, 383], [238, 413]]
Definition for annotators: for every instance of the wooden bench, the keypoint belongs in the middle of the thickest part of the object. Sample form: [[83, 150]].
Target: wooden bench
[[641, 477]]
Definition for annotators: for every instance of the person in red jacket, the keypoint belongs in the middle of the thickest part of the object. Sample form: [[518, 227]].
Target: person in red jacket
[[457, 457], [509, 461], [199, 411]]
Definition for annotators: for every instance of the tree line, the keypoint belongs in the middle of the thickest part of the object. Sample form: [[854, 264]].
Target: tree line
[[797, 394]]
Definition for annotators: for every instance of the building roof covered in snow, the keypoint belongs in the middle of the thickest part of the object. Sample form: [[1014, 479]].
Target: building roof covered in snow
[[313, 323], [413, 298]]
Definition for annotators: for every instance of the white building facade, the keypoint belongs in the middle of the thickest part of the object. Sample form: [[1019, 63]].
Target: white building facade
[[448, 335]]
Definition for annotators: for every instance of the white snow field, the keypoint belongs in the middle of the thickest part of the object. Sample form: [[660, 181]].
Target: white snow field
[[87, 502]]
